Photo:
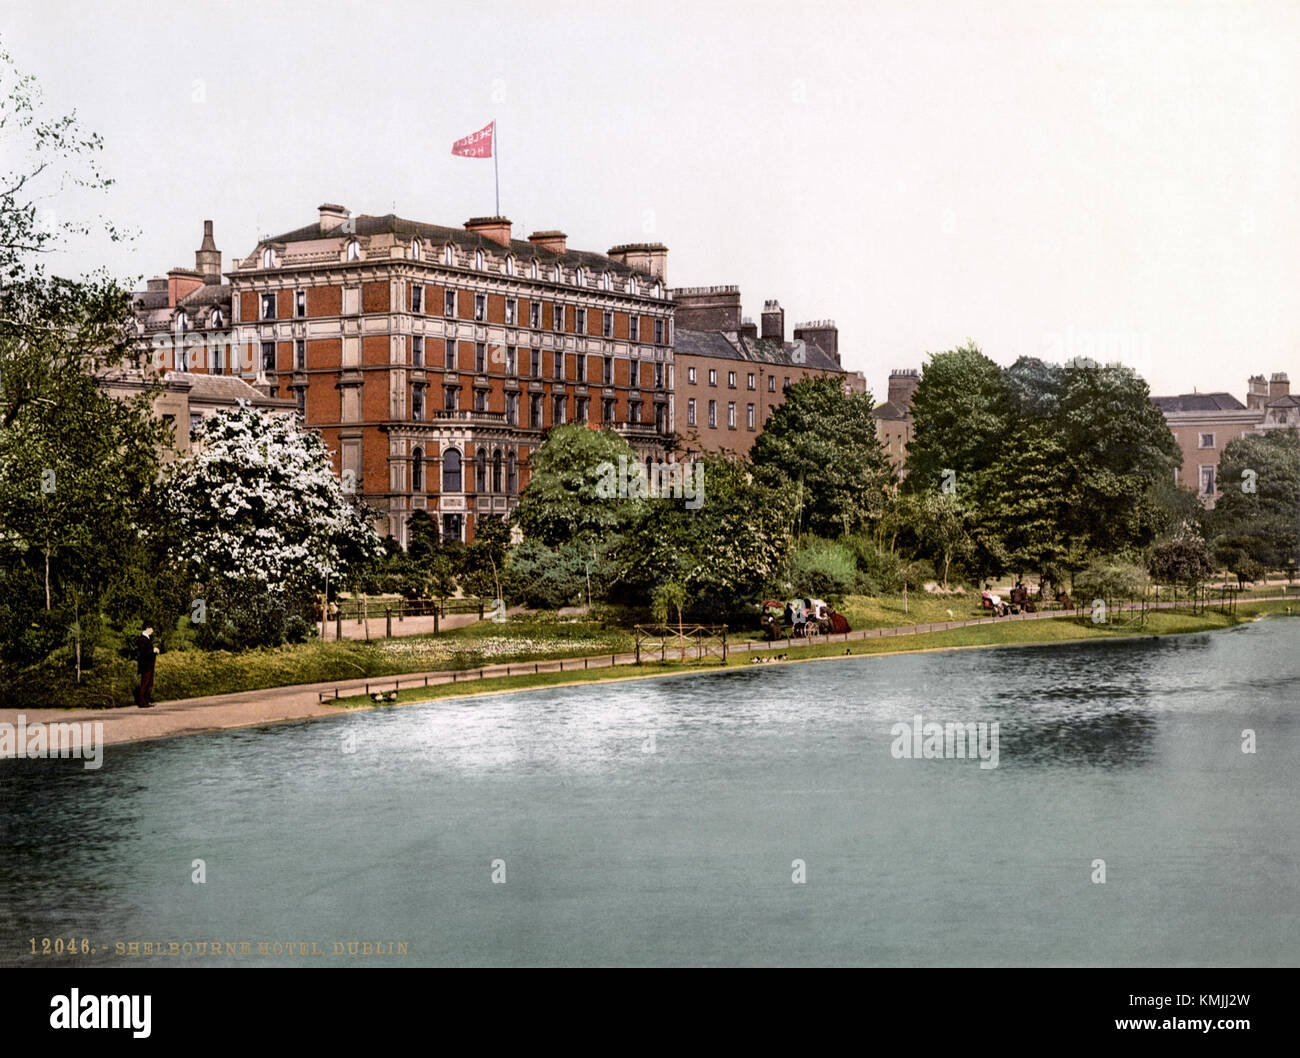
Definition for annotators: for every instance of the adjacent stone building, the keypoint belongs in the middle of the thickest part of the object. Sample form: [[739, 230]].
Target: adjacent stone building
[[731, 375]]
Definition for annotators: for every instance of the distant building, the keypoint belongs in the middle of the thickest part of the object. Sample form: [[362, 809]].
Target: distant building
[[731, 375], [1203, 423], [187, 398], [894, 417]]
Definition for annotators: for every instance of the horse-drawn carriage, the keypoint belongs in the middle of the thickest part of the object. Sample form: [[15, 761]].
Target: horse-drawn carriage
[[805, 617], [1021, 600]]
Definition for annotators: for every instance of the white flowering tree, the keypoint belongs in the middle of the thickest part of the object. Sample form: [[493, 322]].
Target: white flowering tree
[[256, 502]]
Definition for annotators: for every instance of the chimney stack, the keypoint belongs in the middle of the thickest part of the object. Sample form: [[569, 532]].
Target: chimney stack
[[1256, 391], [707, 308], [207, 258], [648, 257], [554, 241], [495, 228], [1279, 385], [181, 283], [821, 333], [331, 217], [773, 322], [902, 384], [749, 329]]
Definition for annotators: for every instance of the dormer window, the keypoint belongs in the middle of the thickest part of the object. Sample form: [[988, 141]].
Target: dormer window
[[534, 272], [631, 284], [659, 290], [604, 281], [478, 260], [579, 278], [354, 251], [555, 274], [268, 258], [217, 319], [415, 249], [448, 255], [182, 322], [510, 266]]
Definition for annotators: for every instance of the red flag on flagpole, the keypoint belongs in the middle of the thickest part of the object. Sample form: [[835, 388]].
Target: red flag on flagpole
[[476, 144]]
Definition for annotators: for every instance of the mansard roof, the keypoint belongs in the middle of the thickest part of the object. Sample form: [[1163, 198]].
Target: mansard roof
[[365, 225]]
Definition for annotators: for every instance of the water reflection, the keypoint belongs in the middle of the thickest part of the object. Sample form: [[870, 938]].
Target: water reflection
[[623, 807]]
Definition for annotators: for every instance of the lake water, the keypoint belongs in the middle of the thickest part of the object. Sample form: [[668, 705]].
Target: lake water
[[658, 821]]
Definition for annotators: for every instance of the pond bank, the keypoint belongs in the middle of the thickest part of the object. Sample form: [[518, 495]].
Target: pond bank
[[259, 708]]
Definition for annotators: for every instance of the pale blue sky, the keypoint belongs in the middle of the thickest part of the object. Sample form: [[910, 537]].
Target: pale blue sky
[[1046, 178]]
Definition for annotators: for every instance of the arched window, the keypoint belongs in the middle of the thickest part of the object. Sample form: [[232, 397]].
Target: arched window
[[415, 249], [451, 471], [268, 258], [448, 255], [534, 271], [512, 475], [579, 278], [496, 471], [417, 470], [604, 281], [478, 260], [510, 266], [217, 319], [659, 289], [631, 284], [354, 251], [555, 274], [480, 471]]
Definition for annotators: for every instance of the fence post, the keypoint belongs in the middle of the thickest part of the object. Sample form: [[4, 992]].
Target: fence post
[[388, 623], [480, 609], [435, 620], [338, 624]]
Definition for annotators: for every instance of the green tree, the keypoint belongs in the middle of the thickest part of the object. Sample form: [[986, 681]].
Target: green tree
[[726, 552], [821, 447], [960, 416], [563, 501], [1254, 523], [76, 465], [1120, 449], [1181, 559], [1020, 501], [485, 559]]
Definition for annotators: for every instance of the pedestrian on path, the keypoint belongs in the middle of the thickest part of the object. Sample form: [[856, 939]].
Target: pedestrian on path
[[146, 653]]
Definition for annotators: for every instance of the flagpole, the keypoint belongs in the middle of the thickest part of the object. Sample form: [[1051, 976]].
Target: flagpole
[[496, 170]]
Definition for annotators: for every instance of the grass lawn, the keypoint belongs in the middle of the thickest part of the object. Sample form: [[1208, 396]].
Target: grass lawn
[[193, 673], [1005, 633]]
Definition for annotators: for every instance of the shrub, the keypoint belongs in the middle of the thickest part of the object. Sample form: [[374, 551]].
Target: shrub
[[825, 569], [1110, 578], [879, 570]]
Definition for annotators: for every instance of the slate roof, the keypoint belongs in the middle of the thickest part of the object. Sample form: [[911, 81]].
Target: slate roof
[[391, 224], [1199, 402], [890, 409], [728, 345], [225, 388]]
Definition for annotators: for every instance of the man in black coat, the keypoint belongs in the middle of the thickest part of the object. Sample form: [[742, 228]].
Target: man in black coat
[[145, 655]]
